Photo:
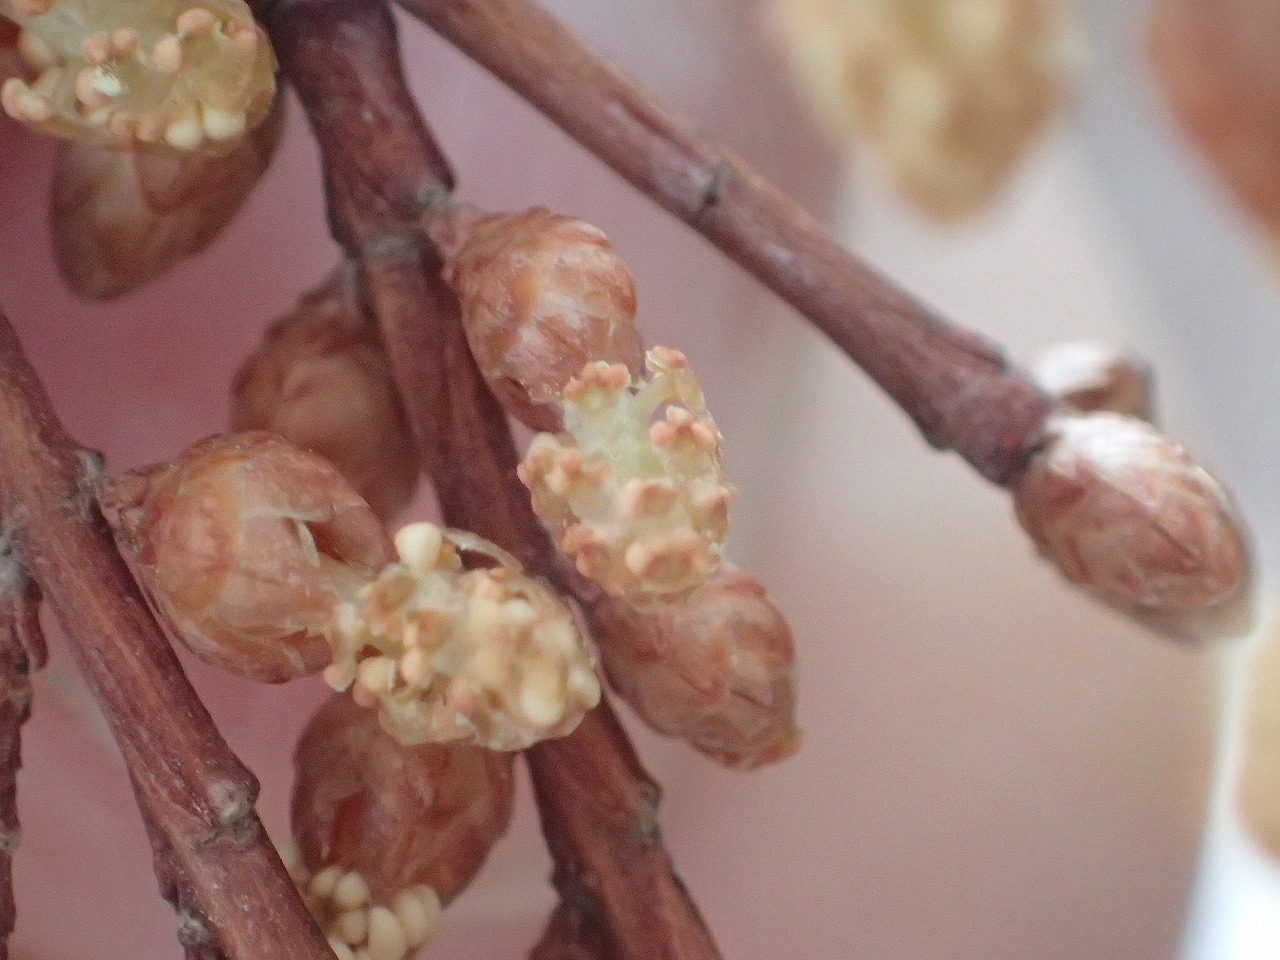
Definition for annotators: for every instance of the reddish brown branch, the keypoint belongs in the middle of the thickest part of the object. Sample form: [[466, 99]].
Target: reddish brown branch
[[953, 383], [610, 863], [196, 793]]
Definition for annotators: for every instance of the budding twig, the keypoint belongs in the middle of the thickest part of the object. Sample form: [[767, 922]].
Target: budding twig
[[196, 793]]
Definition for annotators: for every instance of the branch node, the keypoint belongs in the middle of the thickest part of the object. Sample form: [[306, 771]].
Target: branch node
[[717, 176], [10, 840], [233, 806]]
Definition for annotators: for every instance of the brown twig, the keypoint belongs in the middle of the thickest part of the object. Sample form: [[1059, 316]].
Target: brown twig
[[196, 793], [953, 383], [598, 806]]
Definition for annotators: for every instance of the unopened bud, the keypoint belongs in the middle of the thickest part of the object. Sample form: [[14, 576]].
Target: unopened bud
[[1091, 377], [542, 294], [321, 379], [486, 656], [1125, 513], [388, 834], [247, 545], [714, 669], [634, 489], [1259, 784], [121, 219]]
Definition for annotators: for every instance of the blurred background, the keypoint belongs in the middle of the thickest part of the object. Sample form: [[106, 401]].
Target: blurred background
[[994, 767]]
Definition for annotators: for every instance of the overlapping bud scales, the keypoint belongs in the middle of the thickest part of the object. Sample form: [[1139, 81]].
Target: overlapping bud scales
[[1259, 785], [1089, 376], [246, 545], [541, 295], [714, 669], [162, 74], [322, 380], [1126, 513], [121, 218], [387, 834], [446, 654], [949, 94], [634, 489]]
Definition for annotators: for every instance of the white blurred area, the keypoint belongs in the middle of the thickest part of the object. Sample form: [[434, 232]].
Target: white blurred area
[[994, 768]]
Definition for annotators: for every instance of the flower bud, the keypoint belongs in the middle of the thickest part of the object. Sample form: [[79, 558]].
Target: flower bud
[[167, 75], [450, 655], [634, 490], [122, 219], [1128, 515], [1088, 376], [714, 669], [949, 94], [1258, 789], [246, 545], [388, 834], [322, 380], [541, 294]]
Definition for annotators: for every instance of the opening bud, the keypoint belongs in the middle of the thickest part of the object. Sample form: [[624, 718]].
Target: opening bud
[[322, 380], [541, 294], [714, 669], [1126, 513], [246, 545], [634, 490], [387, 834], [1091, 377]]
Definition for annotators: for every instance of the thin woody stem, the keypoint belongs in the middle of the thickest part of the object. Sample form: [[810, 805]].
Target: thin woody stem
[[953, 383], [195, 793], [598, 806]]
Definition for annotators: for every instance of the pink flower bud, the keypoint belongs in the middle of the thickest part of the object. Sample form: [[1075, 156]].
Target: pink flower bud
[[1125, 513], [246, 545], [542, 295], [1259, 785], [122, 219], [322, 380], [1088, 376], [714, 669]]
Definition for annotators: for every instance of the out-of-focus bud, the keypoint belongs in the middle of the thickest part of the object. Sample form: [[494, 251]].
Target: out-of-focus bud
[[714, 669], [484, 656], [1090, 377], [387, 834], [171, 75], [634, 490], [950, 94], [1126, 513], [322, 380], [246, 545], [1215, 61], [541, 294], [1259, 785], [121, 219]]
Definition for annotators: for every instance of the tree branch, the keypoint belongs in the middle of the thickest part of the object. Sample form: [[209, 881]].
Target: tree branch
[[953, 383], [196, 794]]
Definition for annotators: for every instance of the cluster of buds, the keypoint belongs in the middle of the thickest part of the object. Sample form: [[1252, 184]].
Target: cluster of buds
[[1217, 68], [1258, 789], [487, 656], [1089, 377], [634, 489], [950, 94], [123, 218], [542, 294], [161, 74], [322, 380], [387, 834], [715, 669]]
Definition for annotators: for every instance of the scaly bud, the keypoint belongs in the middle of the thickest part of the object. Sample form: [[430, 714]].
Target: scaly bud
[[247, 545], [714, 669], [1259, 785], [122, 219], [322, 380], [1126, 513], [486, 656], [388, 834], [166, 75], [634, 490], [1091, 377], [541, 294], [950, 94]]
